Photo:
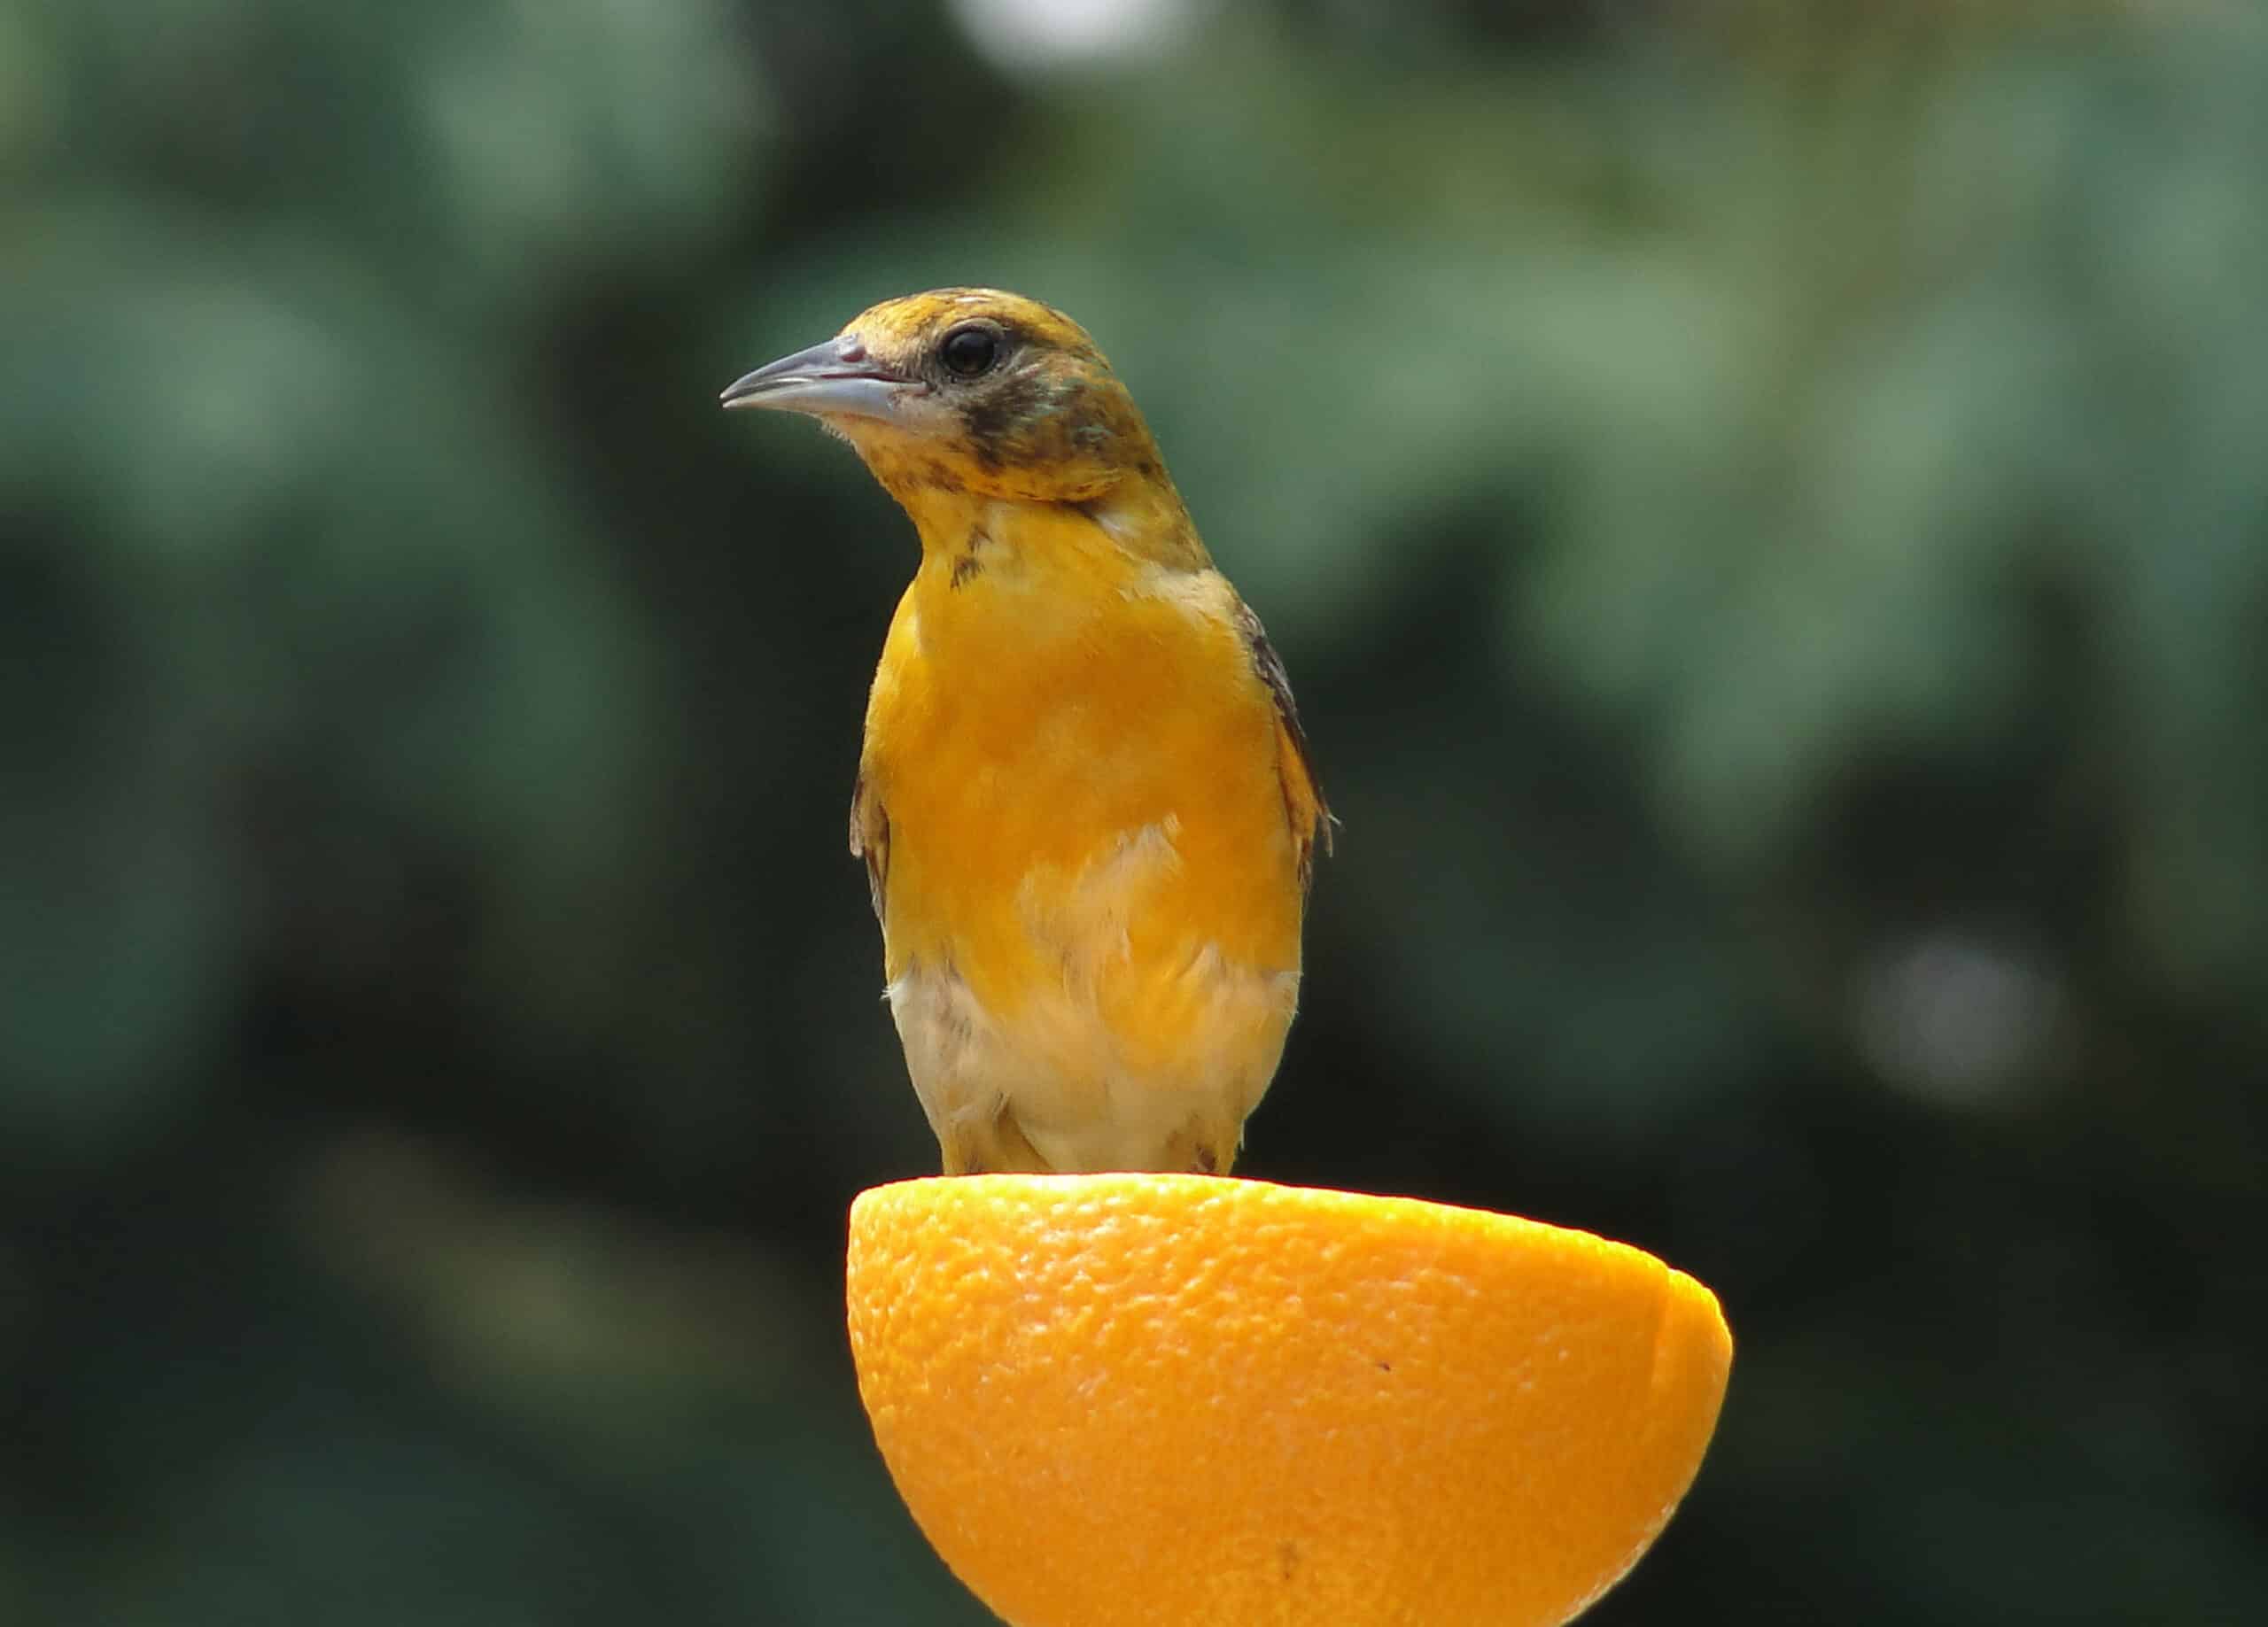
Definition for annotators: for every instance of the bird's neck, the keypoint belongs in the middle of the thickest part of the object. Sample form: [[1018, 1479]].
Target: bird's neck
[[1139, 522]]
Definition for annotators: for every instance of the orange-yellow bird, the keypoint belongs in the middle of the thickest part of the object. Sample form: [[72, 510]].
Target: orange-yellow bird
[[1084, 801]]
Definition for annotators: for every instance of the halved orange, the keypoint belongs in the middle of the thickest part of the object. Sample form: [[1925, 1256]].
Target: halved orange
[[1208, 1402]]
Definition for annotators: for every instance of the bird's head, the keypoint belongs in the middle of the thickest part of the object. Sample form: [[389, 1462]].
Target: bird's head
[[969, 390]]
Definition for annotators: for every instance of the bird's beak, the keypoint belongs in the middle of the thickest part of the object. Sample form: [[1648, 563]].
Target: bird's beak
[[835, 376]]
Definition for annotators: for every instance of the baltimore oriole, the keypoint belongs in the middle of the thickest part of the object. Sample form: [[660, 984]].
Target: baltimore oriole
[[1085, 802]]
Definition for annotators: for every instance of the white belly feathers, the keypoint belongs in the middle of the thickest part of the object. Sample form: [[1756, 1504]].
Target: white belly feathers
[[1056, 1067]]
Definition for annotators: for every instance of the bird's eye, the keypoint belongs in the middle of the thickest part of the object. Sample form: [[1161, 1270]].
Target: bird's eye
[[969, 351]]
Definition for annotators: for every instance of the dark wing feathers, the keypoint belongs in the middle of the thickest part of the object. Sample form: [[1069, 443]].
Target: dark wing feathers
[[870, 839], [1303, 799]]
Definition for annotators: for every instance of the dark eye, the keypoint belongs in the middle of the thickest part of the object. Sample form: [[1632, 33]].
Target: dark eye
[[969, 351]]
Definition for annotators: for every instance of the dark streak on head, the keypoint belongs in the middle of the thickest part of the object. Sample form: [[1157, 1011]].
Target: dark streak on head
[[1002, 414]]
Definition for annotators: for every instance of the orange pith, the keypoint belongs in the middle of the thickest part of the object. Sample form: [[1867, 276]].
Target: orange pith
[[1218, 1402]]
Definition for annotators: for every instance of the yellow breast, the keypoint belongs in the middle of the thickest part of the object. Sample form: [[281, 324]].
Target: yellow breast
[[1081, 774]]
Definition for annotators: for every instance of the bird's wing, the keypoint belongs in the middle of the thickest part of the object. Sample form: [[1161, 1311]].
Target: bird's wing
[[870, 837], [1303, 803]]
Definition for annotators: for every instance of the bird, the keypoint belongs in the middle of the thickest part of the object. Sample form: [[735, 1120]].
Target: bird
[[1086, 808]]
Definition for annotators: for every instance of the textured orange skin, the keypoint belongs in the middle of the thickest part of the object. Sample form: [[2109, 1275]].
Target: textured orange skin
[[1187, 1400]]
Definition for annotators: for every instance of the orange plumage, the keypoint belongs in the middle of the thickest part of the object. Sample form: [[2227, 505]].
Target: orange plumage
[[1084, 802]]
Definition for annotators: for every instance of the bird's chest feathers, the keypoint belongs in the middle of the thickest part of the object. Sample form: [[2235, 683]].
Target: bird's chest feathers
[[1054, 686], [1071, 750]]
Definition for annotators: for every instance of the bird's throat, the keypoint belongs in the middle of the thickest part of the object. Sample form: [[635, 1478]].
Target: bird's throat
[[966, 537]]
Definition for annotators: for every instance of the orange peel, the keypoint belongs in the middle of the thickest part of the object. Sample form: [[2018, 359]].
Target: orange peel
[[1135, 1398]]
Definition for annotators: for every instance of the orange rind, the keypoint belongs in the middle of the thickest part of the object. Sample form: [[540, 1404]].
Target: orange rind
[[1188, 1399]]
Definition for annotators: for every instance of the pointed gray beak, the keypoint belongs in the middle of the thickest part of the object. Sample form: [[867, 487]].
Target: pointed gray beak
[[834, 376]]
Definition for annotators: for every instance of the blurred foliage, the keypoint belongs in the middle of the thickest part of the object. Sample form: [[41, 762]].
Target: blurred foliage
[[1767, 506]]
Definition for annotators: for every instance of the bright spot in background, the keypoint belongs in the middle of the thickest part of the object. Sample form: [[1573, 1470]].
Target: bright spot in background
[[1037, 36], [1958, 1019]]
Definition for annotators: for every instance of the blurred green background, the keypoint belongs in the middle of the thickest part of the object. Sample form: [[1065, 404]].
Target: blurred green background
[[1766, 504]]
